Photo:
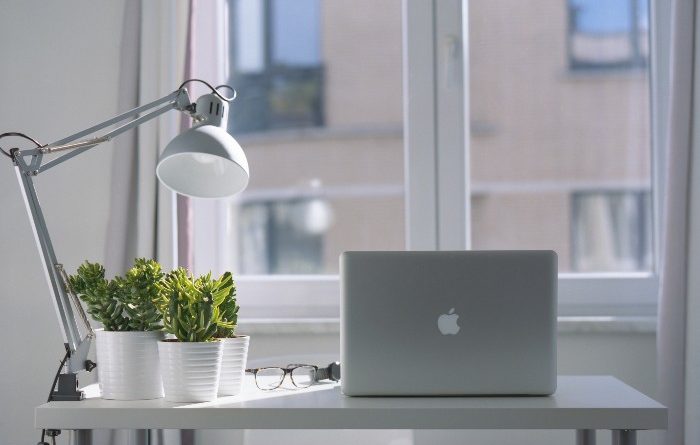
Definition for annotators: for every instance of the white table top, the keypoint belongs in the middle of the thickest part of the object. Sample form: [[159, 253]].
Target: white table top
[[581, 402]]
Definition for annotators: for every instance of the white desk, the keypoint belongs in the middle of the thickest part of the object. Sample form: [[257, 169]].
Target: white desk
[[584, 404]]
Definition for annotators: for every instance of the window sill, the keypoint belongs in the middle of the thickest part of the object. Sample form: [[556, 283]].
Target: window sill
[[380, 131], [604, 73], [604, 324], [277, 326], [565, 325]]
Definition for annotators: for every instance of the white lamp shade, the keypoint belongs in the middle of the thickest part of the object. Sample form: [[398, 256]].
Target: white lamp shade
[[204, 162]]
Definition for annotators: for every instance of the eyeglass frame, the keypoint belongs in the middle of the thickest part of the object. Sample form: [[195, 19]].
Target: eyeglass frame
[[287, 370]]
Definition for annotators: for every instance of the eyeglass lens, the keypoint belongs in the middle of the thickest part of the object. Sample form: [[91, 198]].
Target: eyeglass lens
[[269, 378], [303, 376]]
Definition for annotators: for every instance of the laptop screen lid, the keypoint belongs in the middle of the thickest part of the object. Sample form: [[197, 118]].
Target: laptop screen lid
[[448, 323]]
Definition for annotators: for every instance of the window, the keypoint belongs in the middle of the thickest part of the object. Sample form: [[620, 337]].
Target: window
[[608, 33], [498, 147], [283, 236], [276, 62], [611, 231]]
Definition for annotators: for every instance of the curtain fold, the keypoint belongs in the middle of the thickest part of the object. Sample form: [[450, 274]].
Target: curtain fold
[[141, 219], [121, 245], [209, 61], [185, 219], [163, 43], [679, 314]]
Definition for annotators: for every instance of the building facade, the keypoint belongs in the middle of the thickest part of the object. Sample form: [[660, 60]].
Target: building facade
[[559, 121]]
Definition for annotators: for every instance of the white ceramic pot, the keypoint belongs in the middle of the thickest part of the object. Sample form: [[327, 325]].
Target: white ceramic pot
[[127, 364], [190, 370], [233, 365]]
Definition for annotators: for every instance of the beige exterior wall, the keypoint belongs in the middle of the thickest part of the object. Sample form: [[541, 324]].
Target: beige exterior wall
[[360, 177], [544, 121], [335, 160], [539, 130], [361, 43]]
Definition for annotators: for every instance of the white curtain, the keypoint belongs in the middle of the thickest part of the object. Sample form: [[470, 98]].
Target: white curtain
[[152, 66], [163, 43], [142, 219], [679, 306], [210, 61], [207, 59]]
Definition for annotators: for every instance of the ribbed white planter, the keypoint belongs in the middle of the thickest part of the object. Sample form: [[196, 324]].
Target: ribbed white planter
[[233, 365], [127, 364], [190, 370]]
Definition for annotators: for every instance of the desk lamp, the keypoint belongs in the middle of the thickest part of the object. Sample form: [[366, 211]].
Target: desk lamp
[[204, 161]]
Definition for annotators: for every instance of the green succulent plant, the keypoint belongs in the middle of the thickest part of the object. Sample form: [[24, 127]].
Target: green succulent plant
[[100, 295], [138, 290], [191, 308], [228, 309], [123, 303]]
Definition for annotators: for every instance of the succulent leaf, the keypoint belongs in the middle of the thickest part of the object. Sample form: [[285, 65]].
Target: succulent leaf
[[193, 308], [123, 303]]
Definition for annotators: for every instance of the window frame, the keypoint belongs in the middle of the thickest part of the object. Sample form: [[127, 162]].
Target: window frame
[[273, 70], [436, 144]]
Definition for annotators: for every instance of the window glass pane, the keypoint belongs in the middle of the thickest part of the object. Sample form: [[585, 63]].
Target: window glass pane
[[248, 39], [321, 125], [611, 231], [607, 33], [283, 236], [602, 16], [560, 139], [296, 32]]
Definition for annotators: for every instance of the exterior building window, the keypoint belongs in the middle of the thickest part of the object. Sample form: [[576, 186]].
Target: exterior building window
[[608, 34], [611, 231], [276, 66], [283, 236]]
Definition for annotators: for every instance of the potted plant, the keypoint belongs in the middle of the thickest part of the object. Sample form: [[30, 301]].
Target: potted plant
[[127, 351], [235, 347], [191, 362]]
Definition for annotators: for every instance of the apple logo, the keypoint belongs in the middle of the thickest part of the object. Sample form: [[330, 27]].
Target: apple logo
[[447, 323]]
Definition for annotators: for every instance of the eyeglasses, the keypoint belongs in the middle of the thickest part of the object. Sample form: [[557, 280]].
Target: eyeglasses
[[269, 378]]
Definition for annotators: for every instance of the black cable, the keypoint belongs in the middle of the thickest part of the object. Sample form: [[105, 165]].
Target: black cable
[[212, 88], [58, 372], [223, 85], [21, 135], [53, 385]]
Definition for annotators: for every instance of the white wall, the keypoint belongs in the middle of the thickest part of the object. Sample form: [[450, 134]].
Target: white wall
[[58, 74]]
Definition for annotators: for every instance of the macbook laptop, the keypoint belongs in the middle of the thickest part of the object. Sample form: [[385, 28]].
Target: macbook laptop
[[448, 323]]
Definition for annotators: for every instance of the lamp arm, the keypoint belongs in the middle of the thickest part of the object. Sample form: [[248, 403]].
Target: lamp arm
[[28, 163], [77, 347], [178, 100]]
